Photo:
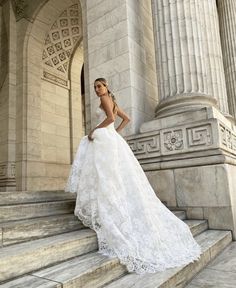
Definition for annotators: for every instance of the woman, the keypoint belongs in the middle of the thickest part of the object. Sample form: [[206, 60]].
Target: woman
[[115, 199]]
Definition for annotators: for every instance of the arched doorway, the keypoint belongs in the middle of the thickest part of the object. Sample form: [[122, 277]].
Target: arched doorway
[[49, 116], [77, 99]]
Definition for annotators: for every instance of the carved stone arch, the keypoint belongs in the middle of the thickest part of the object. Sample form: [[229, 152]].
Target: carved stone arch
[[34, 165], [77, 118]]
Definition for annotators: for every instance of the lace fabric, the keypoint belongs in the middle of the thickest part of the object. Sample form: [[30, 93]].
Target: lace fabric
[[115, 199]]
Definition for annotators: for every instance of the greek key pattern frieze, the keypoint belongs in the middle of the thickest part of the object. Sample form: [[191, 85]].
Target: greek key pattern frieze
[[144, 146], [171, 141], [186, 139], [199, 136], [228, 137]]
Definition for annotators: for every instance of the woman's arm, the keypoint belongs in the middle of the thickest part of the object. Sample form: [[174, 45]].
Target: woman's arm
[[125, 120]]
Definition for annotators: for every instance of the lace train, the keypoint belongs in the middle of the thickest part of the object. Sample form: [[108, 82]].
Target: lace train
[[115, 199]]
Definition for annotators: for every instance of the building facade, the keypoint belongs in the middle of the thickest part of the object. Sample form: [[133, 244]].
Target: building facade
[[171, 65]]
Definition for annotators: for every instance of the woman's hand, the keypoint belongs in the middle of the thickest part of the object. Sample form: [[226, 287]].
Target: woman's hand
[[90, 135]]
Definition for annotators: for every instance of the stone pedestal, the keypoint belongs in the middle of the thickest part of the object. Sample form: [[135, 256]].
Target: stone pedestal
[[190, 160]]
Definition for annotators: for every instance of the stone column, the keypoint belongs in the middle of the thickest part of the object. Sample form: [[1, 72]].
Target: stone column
[[189, 57], [227, 12]]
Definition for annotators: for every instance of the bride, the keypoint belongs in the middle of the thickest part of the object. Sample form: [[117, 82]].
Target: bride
[[115, 199]]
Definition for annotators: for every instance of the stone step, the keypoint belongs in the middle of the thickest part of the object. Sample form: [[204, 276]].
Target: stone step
[[22, 258], [17, 197], [221, 272], [212, 243], [180, 214], [87, 271], [30, 282], [24, 230], [30, 229], [33, 210], [197, 226], [90, 270]]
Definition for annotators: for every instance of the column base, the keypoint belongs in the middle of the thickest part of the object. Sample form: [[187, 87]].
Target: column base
[[183, 103]]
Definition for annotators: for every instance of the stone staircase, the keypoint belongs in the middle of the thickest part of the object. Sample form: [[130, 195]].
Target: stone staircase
[[44, 245]]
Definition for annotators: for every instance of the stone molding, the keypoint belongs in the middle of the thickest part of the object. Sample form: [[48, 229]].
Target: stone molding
[[227, 138], [7, 175], [182, 103], [65, 83], [179, 142]]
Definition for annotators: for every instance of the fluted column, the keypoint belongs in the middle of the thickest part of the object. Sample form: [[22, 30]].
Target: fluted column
[[189, 56], [227, 12]]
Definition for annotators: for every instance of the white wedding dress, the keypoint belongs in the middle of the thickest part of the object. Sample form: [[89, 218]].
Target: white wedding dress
[[115, 198]]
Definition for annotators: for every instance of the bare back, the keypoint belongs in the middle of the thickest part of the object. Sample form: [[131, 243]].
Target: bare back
[[116, 110]]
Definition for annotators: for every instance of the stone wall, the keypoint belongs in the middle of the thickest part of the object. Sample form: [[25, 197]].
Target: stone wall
[[205, 192], [121, 49], [117, 43], [47, 104]]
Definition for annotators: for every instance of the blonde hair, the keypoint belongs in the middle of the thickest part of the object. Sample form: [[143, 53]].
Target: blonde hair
[[105, 83]]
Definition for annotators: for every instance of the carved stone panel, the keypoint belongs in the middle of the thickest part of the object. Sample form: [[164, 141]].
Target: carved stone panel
[[177, 140], [173, 140], [186, 138], [199, 136], [227, 138], [63, 37], [148, 146]]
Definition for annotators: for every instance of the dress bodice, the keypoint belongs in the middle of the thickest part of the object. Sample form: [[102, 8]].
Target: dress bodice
[[101, 115]]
